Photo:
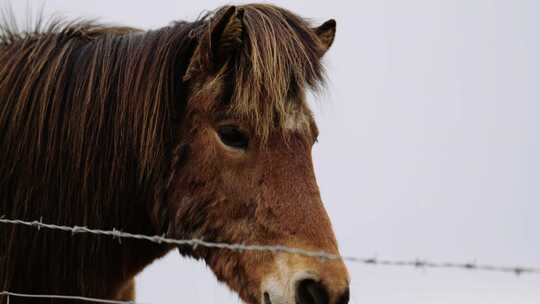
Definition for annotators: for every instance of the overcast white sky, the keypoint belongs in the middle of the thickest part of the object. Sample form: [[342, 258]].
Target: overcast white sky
[[429, 144]]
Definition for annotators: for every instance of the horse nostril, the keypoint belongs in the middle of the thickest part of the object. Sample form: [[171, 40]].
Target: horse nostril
[[311, 292], [267, 298], [344, 298]]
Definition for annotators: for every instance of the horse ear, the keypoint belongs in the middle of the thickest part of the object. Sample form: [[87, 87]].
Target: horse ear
[[219, 43], [326, 33]]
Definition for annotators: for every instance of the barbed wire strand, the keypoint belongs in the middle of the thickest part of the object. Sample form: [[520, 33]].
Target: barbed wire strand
[[417, 263], [9, 294]]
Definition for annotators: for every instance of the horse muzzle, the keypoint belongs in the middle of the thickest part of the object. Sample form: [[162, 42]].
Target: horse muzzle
[[326, 284]]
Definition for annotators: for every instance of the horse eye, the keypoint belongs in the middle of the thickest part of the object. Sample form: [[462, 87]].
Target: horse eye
[[233, 137]]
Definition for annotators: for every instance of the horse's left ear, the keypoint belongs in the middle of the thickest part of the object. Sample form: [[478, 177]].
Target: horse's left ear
[[218, 44], [326, 33]]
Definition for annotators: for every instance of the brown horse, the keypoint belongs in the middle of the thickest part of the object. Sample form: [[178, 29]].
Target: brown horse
[[195, 130]]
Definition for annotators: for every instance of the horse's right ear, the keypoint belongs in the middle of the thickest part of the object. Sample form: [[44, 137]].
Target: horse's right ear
[[217, 44]]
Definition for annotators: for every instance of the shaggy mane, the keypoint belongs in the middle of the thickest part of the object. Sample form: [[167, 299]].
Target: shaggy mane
[[87, 123]]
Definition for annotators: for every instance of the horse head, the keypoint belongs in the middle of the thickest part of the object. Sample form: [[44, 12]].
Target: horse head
[[244, 171]]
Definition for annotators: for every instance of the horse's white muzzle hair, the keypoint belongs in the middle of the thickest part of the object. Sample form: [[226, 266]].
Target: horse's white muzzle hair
[[294, 282]]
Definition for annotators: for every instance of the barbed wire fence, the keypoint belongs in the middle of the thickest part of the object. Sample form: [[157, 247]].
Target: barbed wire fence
[[8, 295], [237, 247]]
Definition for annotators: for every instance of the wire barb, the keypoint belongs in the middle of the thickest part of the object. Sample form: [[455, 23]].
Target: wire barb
[[194, 243]]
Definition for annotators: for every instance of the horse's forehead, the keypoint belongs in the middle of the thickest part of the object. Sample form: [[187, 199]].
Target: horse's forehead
[[298, 120]]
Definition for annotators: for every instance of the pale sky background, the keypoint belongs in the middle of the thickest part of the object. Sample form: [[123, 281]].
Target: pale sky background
[[429, 144]]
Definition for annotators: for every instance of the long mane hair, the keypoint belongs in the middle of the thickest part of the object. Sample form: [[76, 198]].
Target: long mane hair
[[88, 125]]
